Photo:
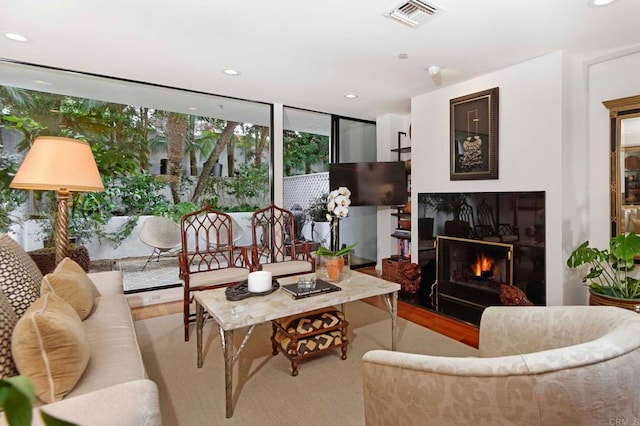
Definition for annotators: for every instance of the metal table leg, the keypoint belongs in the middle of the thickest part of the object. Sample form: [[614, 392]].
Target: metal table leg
[[228, 371], [391, 301], [199, 325]]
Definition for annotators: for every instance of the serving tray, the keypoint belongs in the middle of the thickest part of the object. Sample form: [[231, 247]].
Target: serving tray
[[241, 291]]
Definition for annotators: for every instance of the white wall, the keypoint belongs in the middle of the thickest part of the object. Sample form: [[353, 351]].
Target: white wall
[[387, 128], [530, 145]]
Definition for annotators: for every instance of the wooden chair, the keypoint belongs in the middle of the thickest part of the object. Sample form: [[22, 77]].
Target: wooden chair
[[273, 245], [490, 230], [486, 226], [208, 258]]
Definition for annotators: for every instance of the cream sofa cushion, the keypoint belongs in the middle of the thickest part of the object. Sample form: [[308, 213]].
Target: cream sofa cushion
[[50, 346], [71, 283]]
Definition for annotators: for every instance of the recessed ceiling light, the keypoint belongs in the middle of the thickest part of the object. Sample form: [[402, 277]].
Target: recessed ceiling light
[[598, 3], [192, 108], [403, 56], [16, 37], [350, 96], [43, 82], [230, 71]]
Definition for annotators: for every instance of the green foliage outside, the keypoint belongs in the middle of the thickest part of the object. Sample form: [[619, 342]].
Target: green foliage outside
[[10, 199], [122, 138], [303, 150], [317, 209]]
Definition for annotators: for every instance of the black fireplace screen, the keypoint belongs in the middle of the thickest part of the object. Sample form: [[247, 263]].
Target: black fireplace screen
[[471, 271]]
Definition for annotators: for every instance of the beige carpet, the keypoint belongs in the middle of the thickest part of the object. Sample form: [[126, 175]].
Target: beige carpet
[[327, 391]]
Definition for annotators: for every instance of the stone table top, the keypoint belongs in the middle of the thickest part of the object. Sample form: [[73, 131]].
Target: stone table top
[[231, 315]]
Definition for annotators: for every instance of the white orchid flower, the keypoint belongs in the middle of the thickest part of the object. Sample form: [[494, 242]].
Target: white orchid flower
[[341, 212], [341, 200], [343, 190], [331, 205]]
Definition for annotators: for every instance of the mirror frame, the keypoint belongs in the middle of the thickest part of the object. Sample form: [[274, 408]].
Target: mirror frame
[[619, 109]]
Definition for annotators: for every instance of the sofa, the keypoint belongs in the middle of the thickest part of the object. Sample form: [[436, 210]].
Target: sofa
[[72, 335], [577, 365]]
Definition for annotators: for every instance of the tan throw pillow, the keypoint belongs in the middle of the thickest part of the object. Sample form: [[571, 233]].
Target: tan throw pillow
[[70, 282], [50, 346], [8, 320], [70, 266], [20, 277]]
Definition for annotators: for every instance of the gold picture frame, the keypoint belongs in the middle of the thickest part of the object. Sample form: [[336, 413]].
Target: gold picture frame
[[474, 136]]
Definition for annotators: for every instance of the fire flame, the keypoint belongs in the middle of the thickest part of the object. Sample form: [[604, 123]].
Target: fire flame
[[483, 263]]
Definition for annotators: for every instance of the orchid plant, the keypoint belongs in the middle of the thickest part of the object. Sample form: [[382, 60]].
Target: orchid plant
[[338, 203]]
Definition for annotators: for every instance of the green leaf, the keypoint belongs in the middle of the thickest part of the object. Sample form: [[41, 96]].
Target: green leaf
[[16, 397], [323, 251], [49, 420]]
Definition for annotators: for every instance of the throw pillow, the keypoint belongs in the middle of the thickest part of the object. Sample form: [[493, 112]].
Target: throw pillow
[[51, 347], [8, 320], [70, 282], [20, 277], [510, 295]]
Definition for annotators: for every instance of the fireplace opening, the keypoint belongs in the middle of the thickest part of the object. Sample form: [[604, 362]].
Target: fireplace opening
[[470, 272], [499, 238]]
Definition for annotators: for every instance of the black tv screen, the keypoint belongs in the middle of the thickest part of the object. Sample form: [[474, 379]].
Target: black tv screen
[[382, 183]]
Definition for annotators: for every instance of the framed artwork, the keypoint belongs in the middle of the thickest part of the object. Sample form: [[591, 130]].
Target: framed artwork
[[474, 136]]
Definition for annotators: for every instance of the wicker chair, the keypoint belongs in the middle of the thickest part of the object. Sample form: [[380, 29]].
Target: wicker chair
[[209, 258], [160, 233]]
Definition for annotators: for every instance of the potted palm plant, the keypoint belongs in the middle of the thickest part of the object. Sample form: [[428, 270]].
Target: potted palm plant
[[610, 277]]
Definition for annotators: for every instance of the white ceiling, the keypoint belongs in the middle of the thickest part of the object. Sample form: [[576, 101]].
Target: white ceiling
[[302, 53]]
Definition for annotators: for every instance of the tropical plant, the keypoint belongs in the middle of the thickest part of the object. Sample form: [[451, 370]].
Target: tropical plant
[[610, 269], [445, 202], [175, 212], [10, 198], [317, 209], [16, 400]]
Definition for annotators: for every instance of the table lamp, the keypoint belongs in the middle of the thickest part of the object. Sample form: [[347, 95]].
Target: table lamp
[[62, 165]]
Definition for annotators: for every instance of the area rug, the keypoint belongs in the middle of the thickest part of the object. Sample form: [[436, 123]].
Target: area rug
[[327, 391], [157, 274]]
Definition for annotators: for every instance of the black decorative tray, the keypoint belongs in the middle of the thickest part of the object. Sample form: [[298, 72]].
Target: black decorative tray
[[241, 291]]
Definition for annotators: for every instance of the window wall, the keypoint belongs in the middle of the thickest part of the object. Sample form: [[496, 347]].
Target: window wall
[[156, 147]]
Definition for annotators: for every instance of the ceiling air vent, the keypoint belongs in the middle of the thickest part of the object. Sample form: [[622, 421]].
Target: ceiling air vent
[[414, 12]]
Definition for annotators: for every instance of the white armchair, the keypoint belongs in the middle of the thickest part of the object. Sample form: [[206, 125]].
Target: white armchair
[[576, 365]]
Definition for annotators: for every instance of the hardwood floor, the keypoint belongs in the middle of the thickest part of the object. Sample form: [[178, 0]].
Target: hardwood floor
[[451, 328]]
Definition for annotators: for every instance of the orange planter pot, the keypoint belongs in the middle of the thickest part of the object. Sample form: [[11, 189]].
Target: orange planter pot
[[332, 268]]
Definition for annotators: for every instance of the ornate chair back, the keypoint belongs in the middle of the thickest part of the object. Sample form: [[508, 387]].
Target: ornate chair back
[[273, 242], [208, 258]]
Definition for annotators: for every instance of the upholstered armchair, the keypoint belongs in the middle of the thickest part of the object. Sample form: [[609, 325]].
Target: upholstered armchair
[[577, 365]]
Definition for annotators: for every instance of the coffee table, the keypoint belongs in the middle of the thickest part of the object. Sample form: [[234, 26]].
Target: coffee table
[[252, 311]]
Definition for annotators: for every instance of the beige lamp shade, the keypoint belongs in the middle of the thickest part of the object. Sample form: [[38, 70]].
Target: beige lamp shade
[[59, 164]]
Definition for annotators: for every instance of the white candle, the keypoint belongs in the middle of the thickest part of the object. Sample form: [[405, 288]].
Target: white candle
[[259, 281]]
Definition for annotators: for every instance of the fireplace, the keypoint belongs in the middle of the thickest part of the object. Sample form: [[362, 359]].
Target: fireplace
[[469, 273], [508, 226]]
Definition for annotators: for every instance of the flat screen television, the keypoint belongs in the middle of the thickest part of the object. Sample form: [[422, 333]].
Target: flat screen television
[[381, 183]]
